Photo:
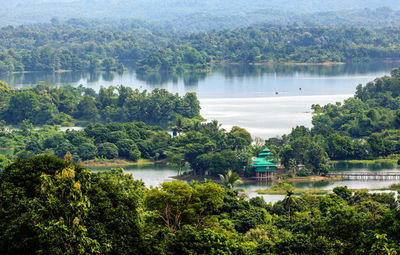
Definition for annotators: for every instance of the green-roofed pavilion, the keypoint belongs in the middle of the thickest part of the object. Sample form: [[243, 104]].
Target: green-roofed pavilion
[[264, 168]]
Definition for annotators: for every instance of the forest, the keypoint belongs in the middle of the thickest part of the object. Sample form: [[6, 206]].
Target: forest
[[52, 206], [92, 46], [158, 11], [69, 106]]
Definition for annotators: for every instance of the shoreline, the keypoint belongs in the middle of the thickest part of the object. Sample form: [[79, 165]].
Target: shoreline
[[115, 163], [366, 161], [329, 63], [312, 178]]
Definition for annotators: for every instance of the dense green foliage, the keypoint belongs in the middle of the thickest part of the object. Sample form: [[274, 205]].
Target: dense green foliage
[[49, 206], [285, 44], [363, 127], [90, 46], [175, 59], [205, 146], [68, 105]]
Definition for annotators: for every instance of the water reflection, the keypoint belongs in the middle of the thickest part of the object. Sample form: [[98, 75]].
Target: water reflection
[[232, 71], [151, 175], [192, 79], [189, 78], [360, 167]]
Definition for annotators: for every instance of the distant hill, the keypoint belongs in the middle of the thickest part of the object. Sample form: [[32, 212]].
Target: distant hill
[[32, 11], [371, 18]]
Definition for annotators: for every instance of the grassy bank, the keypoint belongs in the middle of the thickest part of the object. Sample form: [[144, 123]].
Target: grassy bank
[[393, 187], [371, 161], [114, 162], [281, 188]]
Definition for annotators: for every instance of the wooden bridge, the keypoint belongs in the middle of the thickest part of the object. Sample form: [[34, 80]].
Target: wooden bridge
[[366, 175]]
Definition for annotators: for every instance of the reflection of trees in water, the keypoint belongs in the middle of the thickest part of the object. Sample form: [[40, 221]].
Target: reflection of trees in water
[[108, 76], [192, 79], [93, 77], [345, 166], [52, 78], [231, 71], [189, 78]]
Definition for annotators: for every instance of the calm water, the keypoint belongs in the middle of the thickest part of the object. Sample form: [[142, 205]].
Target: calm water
[[153, 175], [342, 167], [239, 95]]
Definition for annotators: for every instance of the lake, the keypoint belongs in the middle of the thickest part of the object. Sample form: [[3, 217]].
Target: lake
[[266, 100], [153, 175]]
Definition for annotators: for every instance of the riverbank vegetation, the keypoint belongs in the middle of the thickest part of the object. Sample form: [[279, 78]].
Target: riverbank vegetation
[[86, 46], [207, 147], [49, 205], [283, 188]]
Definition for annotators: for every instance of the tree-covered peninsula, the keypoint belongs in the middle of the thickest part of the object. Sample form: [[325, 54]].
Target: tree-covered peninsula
[[69, 105]]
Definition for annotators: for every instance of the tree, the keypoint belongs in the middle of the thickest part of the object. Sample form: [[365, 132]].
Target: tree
[[177, 203], [376, 144], [339, 147], [86, 109], [113, 218], [87, 151], [52, 207], [318, 159], [22, 105], [289, 200], [177, 159], [107, 150], [240, 137], [20, 183], [208, 241], [4, 85], [343, 192], [60, 212], [108, 63], [286, 154], [93, 62], [230, 179], [125, 146]]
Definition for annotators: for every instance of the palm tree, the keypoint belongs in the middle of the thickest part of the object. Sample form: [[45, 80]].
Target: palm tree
[[289, 200], [230, 179]]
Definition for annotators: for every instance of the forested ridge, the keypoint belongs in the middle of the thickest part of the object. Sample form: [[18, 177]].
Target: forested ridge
[[51, 206], [16, 12], [88, 46]]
